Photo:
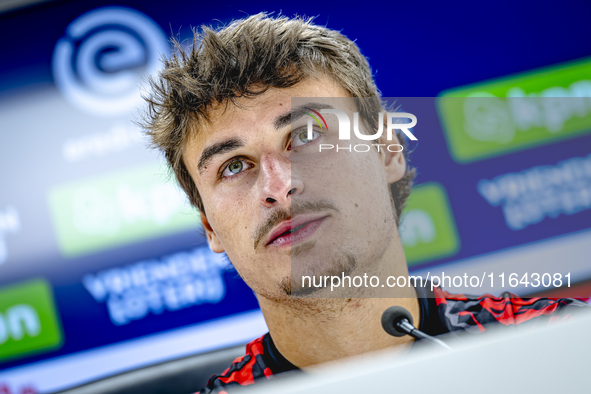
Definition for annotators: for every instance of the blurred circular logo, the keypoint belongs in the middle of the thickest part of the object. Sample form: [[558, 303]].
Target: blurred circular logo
[[99, 64]]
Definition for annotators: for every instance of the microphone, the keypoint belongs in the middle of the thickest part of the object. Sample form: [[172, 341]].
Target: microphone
[[398, 322]]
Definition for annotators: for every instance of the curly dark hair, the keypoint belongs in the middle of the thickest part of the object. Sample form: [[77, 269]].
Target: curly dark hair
[[245, 59]]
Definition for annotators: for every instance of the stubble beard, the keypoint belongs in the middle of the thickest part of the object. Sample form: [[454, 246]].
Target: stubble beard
[[292, 285], [347, 264]]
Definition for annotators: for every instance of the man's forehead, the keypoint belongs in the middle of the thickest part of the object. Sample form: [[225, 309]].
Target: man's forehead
[[239, 116], [253, 113]]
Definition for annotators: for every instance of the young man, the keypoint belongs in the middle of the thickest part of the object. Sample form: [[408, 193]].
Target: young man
[[223, 115]]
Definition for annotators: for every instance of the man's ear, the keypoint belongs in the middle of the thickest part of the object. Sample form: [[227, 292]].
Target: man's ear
[[214, 243], [394, 162]]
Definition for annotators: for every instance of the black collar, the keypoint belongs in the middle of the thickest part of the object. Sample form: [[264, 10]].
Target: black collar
[[431, 322]]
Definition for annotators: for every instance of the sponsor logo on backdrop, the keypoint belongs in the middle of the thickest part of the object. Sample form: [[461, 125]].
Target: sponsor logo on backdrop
[[9, 224], [28, 319], [119, 137], [427, 228], [155, 286], [118, 209], [517, 112], [530, 196], [99, 63]]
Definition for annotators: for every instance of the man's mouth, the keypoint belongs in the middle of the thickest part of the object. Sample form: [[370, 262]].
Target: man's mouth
[[286, 235]]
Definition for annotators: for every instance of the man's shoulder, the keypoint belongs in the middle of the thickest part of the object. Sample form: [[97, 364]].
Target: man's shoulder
[[444, 312], [243, 370], [473, 313]]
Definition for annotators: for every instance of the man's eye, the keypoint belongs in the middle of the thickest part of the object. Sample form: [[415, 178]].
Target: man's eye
[[234, 167], [301, 137]]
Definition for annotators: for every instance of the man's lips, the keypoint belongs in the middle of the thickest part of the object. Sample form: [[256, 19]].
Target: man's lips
[[295, 230]]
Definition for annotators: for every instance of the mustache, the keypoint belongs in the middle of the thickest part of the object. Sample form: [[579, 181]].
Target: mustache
[[280, 215]]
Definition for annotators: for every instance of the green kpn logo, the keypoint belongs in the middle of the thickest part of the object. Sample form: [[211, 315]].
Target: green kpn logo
[[28, 319], [427, 228], [117, 209], [517, 112]]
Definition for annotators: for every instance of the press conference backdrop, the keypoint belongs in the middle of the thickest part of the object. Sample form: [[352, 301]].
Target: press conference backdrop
[[102, 265]]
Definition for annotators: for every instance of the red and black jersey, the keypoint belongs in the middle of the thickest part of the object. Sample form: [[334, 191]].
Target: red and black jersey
[[441, 313]]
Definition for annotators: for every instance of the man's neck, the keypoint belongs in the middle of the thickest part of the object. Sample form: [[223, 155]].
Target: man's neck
[[309, 332]]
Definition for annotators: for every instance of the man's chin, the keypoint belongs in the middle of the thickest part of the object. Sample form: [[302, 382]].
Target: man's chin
[[302, 250], [314, 258], [291, 290], [297, 291], [308, 274]]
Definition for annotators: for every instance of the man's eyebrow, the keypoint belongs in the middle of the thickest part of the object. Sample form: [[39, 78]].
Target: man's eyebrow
[[295, 114], [217, 149]]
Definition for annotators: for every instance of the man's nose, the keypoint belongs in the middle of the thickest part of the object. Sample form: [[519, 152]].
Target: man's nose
[[278, 184]]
